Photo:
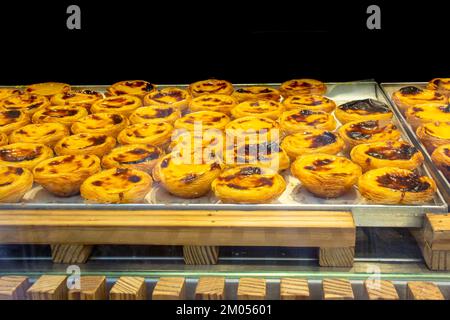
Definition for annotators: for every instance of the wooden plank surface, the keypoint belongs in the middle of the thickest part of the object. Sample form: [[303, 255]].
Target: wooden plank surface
[[200, 255], [210, 288], [294, 289], [437, 231], [336, 257], [49, 287], [337, 289], [70, 253], [91, 288], [170, 288], [419, 290], [251, 289], [129, 288], [380, 290], [13, 287]]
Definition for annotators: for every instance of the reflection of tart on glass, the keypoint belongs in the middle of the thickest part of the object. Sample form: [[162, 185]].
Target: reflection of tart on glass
[[441, 85], [28, 103], [45, 133], [105, 123], [83, 98], [117, 185], [64, 175], [410, 96], [310, 102], [133, 87], [124, 104], [3, 139], [312, 141], [65, 115], [24, 155], [298, 120], [256, 93], [202, 120], [85, 143], [376, 155], [47, 88], [248, 184], [302, 87], [7, 92], [396, 186], [210, 86], [253, 129], [426, 113], [367, 109], [213, 102], [14, 183], [434, 134], [326, 176], [259, 108], [173, 97], [358, 132], [11, 120], [133, 156], [155, 133], [155, 114], [441, 158]]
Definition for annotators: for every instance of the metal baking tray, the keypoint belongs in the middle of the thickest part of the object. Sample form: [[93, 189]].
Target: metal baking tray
[[442, 182], [294, 198]]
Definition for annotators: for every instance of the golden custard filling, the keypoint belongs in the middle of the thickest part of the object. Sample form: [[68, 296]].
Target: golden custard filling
[[14, 183], [26, 155], [11, 120], [48, 88], [256, 93], [28, 103], [155, 114], [302, 87], [134, 154], [67, 164], [123, 104], [107, 123], [7, 92], [413, 95], [9, 176], [60, 114], [46, 133], [83, 98], [440, 84], [213, 102], [296, 120], [79, 143], [311, 102], [369, 130], [167, 96], [262, 108], [211, 86], [439, 130], [156, 133], [202, 120], [312, 141], [132, 87], [429, 112]]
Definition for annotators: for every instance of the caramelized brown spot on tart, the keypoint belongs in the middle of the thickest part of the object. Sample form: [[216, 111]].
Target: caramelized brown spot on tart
[[97, 183], [366, 105], [318, 165], [447, 152], [410, 90], [134, 179], [19, 155], [96, 140], [12, 114], [59, 113], [116, 118], [404, 152], [323, 139], [364, 130], [162, 113], [404, 183], [189, 178], [165, 163]]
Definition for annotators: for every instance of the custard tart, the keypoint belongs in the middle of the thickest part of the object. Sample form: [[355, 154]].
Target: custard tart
[[173, 97], [256, 93], [326, 176], [310, 102], [410, 96], [7, 92], [28, 103], [48, 88], [358, 132], [434, 134], [202, 120], [359, 110], [133, 87], [441, 158], [298, 120], [426, 113], [155, 133], [155, 114], [3, 139], [11, 120], [213, 102], [186, 179], [302, 87], [133, 156], [117, 185], [248, 184], [210, 86], [376, 155], [253, 129], [24, 155], [65, 115], [85, 143], [259, 108], [14, 183], [396, 186], [124, 104], [45, 133], [104, 123], [82, 98], [441, 85], [312, 141], [63, 175]]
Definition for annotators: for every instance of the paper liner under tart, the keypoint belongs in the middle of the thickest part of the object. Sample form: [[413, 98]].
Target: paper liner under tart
[[256, 93], [441, 85], [248, 184], [155, 133], [213, 102], [81, 98], [202, 120], [11, 120], [426, 113], [63, 175], [45, 133], [259, 108], [253, 129], [8, 92], [173, 97], [410, 96], [14, 183], [123, 104], [396, 186], [302, 87], [326, 176], [186, 178], [298, 120], [47, 89], [210, 86], [133, 156], [434, 134], [441, 158], [85, 143], [109, 124], [359, 110], [28, 103], [65, 115], [399, 154], [117, 185], [312, 141], [310, 102], [359, 132], [24, 155], [137, 88], [155, 114]]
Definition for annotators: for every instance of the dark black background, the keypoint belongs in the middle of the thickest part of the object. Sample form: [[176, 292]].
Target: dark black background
[[242, 41]]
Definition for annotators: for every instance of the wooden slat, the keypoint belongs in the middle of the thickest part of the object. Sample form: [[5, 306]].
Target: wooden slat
[[13, 287], [419, 290], [438, 260], [200, 255], [437, 231], [170, 288], [129, 288], [337, 289], [251, 289], [91, 288], [336, 257], [210, 288], [380, 290], [70, 253], [294, 289], [49, 287]]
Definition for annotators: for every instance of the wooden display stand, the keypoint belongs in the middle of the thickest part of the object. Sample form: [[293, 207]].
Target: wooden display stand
[[14, 287]]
